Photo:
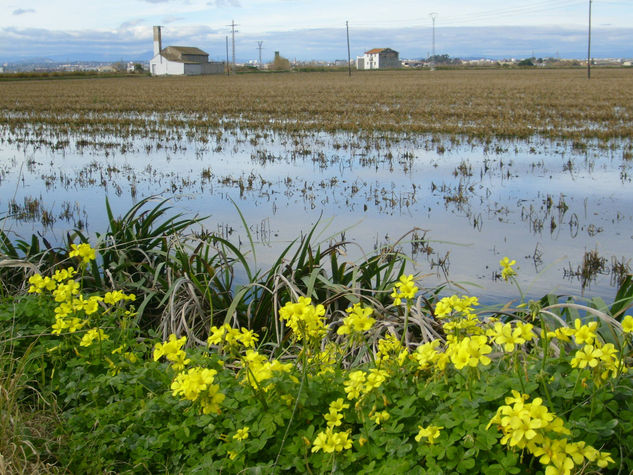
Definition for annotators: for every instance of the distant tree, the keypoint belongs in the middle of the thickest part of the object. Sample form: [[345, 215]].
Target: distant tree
[[119, 67], [442, 59], [526, 62], [280, 63], [138, 68]]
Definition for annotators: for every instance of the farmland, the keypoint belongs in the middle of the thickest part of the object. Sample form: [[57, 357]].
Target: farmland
[[322, 284], [558, 104], [448, 152]]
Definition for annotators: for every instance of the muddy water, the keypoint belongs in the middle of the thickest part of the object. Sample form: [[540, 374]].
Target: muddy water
[[544, 204]]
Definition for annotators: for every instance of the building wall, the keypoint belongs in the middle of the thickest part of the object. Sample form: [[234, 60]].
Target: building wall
[[192, 69], [388, 59], [382, 60], [360, 62], [371, 61], [213, 68], [159, 66]]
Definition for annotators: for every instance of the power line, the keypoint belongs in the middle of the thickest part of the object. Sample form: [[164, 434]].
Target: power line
[[228, 66], [349, 58], [233, 31], [589, 45], [433, 16]]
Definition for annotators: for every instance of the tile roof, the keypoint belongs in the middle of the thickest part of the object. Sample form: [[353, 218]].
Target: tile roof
[[175, 53], [380, 50]]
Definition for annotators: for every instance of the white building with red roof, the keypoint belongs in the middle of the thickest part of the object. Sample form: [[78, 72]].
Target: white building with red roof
[[378, 58]]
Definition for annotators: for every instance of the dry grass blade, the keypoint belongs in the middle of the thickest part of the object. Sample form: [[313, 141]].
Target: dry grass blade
[[25, 417], [601, 315]]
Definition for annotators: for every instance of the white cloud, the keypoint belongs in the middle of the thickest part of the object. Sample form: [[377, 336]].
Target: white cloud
[[22, 11], [310, 29]]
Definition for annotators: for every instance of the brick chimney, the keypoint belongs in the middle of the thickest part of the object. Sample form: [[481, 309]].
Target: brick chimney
[[157, 42]]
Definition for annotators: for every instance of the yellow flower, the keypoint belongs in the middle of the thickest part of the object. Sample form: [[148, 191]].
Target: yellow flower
[[584, 333], [217, 334], [241, 434], [305, 319], [91, 335], [196, 384], [431, 433], [355, 384], [358, 321], [627, 324], [404, 289], [333, 418], [248, 338], [178, 360], [61, 275], [506, 336], [427, 354], [65, 292], [39, 283], [506, 268], [320, 443], [170, 347], [112, 298], [379, 417], [257, 369], [84, 251], [338, 405], [603, 459], [471, 351], [330, 441], [448, 305]]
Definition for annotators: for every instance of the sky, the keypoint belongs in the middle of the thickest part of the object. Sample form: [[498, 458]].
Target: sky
[[111, 30]]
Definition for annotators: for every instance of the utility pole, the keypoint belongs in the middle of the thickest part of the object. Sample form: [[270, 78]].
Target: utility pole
[[233, 31], [259, 47], [349, 59], [589, 45], [228, 66], [433, 16]]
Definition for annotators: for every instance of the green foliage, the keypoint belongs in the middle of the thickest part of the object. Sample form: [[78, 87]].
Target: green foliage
[[401, 382]]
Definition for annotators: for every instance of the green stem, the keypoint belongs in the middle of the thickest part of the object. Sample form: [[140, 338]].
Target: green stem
[[516, 284], [406, 323], [573, 393], [545, 341], [256, 391], [294, 409], [593, 402], [518, 371]]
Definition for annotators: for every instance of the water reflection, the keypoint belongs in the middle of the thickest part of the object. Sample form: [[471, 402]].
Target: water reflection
[[547, 205]]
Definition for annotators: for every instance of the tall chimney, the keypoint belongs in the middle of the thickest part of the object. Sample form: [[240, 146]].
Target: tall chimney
[[157, 42]]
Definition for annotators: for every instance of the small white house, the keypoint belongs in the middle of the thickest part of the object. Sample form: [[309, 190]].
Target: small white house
[[181, 60], [378, 58]]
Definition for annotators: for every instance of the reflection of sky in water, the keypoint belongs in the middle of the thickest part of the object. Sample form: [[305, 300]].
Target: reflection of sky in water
[[379, 194]]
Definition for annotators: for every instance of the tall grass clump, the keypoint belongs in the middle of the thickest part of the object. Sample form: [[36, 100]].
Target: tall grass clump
[[28, 415]]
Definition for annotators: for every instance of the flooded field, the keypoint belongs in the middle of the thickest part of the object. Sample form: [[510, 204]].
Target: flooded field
[[562, 209]]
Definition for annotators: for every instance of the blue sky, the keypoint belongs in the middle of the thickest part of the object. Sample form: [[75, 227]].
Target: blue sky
[[311, 29]]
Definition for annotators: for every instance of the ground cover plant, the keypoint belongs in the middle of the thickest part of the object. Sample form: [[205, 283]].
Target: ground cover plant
[[349, 368]]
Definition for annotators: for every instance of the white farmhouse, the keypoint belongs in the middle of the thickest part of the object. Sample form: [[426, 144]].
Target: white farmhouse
[[181, 60], [378, 58]]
